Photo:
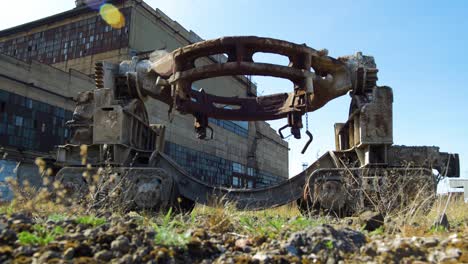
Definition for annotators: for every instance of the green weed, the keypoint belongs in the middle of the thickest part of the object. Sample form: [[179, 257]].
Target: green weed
[[248, 224], [167, 232], [378, 231], [437, 229], [276, 223], [40, 235], [253, 226], [273, 226], [301, 222], [329, 244], [57, 217], [90, 220]]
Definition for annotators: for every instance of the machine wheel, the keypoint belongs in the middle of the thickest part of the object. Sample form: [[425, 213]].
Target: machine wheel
[[342, 192], [150, 189], [326, 196]]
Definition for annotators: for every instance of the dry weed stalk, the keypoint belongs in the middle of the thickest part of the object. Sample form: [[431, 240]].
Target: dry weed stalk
[[100, 189]]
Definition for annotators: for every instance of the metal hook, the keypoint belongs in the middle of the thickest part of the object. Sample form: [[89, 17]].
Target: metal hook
[[281, 129], [308, 142]]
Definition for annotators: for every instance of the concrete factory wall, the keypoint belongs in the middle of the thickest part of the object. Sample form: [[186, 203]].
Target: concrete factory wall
[[78, 39], [35, 102]]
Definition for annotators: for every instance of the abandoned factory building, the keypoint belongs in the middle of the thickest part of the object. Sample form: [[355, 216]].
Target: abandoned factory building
[[44, 64]]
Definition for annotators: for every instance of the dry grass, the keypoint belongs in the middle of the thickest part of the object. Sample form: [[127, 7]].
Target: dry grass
[[457, 210], [40, 202], [273, 223], [415, 218], [423, 223], [267, 224]]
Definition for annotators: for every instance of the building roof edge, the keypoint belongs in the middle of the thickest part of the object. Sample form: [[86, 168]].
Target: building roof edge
[[50, 19]]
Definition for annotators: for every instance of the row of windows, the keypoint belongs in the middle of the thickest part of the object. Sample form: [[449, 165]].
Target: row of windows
[[25, 102], [30, 124], [266, 179], [242, 182], [74, 40], [237, 167], [216, 170], [240, 128], [233, 126]]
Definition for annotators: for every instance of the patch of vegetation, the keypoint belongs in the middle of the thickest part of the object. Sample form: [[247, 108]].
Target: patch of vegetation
[[276, 223], [274, 226], [90, 220], [7, 209], [168, 234], [41, 201], [40, 235], [302, 222], [57, 217], [252, 226], [437, 229], [329, 244], [378, 231]]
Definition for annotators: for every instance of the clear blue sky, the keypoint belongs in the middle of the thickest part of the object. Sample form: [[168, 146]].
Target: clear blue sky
[[421, 49]]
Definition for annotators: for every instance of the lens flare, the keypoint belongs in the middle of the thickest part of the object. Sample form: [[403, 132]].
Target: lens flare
[[112, 16]]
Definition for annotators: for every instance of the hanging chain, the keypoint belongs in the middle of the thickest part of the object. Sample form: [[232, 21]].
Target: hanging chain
[[307, 120]]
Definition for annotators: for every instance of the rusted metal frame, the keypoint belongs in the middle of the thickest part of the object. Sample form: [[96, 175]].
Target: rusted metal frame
[[301, 60], [251, 199], [249, 109], [240, 51], [241, 68]]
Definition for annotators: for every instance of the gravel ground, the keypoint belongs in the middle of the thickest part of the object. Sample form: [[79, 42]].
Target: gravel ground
[[128, 240]]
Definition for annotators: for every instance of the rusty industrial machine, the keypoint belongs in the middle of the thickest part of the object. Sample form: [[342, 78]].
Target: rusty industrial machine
[[111, 130]]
